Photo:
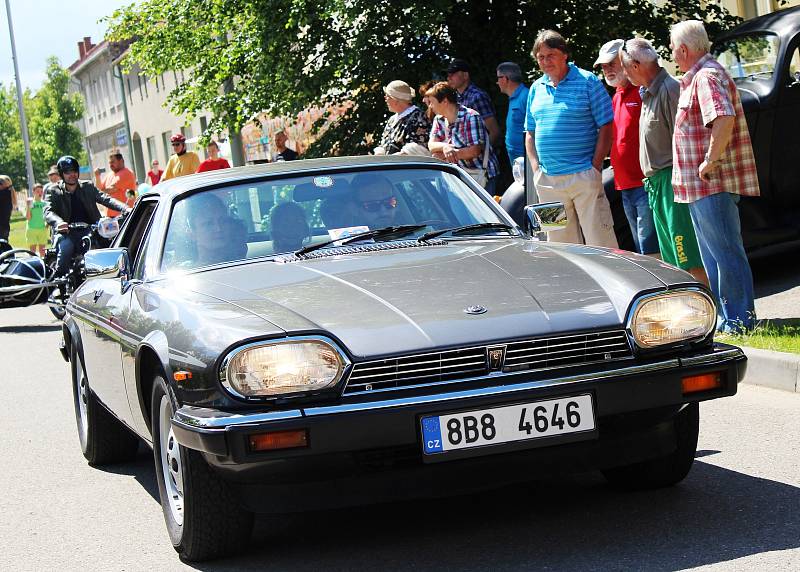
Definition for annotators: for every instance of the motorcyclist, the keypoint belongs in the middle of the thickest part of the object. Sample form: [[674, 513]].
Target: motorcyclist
[[74, 201]]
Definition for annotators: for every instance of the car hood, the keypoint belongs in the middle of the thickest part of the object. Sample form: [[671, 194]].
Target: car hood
[[415, 299]]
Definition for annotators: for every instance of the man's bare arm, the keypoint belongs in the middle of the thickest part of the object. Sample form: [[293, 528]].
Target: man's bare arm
[[604, 138], [530, 149]]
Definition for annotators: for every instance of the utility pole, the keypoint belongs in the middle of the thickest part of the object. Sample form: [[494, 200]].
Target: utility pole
[[23, 124]]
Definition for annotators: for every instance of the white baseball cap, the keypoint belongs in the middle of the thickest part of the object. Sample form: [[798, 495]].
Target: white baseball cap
[[609, 51]]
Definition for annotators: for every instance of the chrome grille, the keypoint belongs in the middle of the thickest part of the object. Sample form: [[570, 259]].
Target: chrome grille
[[418, 369], [452, 365], [566, 350]]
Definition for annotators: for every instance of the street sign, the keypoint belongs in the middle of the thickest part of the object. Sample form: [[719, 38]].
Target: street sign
[[122, 137]]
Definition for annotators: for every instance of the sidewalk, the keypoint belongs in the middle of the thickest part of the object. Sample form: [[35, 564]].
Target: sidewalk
[[777, 370]]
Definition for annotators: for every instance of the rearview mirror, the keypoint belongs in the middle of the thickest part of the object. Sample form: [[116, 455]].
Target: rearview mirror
[[545, 217], [107, 263]]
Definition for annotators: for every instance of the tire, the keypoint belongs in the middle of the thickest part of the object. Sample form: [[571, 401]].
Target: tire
[[203, 517], [104, 440], [58, 311], [667, 470]]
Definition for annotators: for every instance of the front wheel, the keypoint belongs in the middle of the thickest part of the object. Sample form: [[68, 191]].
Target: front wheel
[[203, 517], [667, 470]]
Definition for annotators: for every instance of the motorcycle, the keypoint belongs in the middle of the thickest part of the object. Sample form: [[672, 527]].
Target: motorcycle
[[27, 279]]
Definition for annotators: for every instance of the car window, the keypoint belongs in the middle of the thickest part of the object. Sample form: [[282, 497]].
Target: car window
[[135, 230], [794, 64], [752, 56], [278, 216]]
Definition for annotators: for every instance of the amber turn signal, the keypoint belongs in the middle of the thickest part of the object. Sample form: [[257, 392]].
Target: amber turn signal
[[704, 382], [182, 376], [279, 440]]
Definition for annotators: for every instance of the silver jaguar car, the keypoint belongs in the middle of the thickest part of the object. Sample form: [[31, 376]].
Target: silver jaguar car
[[326, 332]]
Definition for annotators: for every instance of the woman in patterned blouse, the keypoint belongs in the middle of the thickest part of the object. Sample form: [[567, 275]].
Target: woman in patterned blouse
[[408, 129]]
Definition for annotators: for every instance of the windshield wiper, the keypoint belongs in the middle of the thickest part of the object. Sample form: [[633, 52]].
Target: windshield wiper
[[466, 228], [367, 234]]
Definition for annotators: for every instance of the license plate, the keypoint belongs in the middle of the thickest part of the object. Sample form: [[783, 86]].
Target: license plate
[[507, 424]]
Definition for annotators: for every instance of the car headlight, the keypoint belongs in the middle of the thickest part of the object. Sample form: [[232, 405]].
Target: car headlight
[[672, 317], [280, 368]]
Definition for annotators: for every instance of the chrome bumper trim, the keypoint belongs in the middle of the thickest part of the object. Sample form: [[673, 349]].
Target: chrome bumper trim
[[204, 419]]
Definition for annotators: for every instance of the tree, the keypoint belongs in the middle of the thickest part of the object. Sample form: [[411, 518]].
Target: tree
[[12, 151], [283, 56], [52, 114]]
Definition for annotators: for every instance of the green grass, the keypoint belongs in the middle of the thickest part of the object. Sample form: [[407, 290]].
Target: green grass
[[17, 235], [775, 335]]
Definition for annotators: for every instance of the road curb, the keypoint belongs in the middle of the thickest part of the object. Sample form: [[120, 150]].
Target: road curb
[[778, 370]]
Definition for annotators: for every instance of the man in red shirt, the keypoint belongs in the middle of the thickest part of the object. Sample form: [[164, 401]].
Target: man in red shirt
[[627, 105], [214, 161], [117, 182]]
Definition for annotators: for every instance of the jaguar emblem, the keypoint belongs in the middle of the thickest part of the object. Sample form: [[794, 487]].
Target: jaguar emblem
[[496, 357], [475, 310]]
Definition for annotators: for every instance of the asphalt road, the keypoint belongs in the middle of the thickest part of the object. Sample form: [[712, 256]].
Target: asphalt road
[[737, 510]]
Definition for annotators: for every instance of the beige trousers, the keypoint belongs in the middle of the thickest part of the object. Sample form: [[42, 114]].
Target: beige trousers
[[587, 207]]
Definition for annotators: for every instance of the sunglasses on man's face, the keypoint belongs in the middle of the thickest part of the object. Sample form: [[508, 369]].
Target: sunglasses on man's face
[[374, 206], [177, 144]]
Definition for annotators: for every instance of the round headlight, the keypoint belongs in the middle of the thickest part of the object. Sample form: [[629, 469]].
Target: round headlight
[[673, 317], [280, 368]]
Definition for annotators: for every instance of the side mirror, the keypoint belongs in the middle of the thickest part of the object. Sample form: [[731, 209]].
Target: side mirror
[[107, 263], [544, 217]]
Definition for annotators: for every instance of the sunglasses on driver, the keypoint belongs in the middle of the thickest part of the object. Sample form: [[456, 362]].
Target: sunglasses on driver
[[373, 206]]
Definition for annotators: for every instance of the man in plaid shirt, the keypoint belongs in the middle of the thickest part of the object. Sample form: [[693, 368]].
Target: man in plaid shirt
[[713, 166]]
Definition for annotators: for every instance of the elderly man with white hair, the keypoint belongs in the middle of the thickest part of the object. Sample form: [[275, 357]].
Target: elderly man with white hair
[[659, 95], [713, 166]]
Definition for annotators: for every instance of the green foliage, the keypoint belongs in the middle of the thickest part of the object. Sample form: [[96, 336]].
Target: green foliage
[[283, 56], [51, 115]]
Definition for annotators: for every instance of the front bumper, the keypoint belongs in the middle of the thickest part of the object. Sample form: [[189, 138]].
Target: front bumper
[[628, 398]]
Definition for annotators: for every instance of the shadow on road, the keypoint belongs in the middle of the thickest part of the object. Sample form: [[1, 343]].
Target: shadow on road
[[715, 515], [141, 470], [32, 329]]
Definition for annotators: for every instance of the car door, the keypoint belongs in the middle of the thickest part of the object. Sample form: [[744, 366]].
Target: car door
[[108, 299], [786, 135]]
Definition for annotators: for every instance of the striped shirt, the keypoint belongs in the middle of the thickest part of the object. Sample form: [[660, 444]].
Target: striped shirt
[[468, 130], [564, 120], [708, 92]]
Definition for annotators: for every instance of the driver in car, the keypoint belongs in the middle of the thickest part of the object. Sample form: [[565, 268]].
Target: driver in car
[[74, 201], [376, 203]]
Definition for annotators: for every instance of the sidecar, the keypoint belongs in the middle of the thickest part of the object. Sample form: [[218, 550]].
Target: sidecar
[[23, 277]]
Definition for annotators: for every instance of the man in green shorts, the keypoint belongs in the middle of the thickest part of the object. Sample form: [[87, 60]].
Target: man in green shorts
[[659, 90]]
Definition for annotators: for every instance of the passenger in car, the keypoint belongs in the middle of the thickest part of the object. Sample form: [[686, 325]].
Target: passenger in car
[[213, 235], [288, 226]]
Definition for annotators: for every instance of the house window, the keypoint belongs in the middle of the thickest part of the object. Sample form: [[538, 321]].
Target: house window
[[167, 147], [152, 152]]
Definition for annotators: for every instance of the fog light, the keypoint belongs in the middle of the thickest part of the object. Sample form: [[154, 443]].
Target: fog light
[[279, 440], [704, 382]]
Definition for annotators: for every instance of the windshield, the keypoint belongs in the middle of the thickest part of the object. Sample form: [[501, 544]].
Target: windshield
[[749, 56], [278, 216]]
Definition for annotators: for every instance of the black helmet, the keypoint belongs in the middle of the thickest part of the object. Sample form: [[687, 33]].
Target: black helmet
[[67, 163]]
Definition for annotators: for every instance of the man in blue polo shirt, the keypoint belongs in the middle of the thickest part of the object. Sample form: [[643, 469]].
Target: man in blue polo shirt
[[509, 82], [569, 133]]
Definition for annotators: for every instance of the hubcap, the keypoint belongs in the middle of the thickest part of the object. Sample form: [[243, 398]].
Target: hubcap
[[82, 401], [171, 467]]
